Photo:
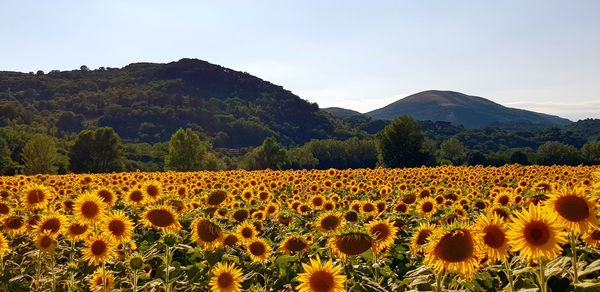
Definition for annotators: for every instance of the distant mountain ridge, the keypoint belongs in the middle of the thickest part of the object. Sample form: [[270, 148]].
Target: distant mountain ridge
[[459, 109]]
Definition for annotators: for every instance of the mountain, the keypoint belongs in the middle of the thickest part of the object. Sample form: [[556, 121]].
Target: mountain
[[460, 109], [147, 102], [341, 112]]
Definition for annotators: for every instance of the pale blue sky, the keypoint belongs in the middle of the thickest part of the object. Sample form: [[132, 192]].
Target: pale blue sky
[[538, 55]]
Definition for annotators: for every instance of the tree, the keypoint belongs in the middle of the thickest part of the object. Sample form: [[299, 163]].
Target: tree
[[590, 152], [452, 149], [400, 143], [96, 151], [270, 154], [301, 158], [519, 157], [476, 158], [6, 162], [556, 153], [39, 155], [186, 151]]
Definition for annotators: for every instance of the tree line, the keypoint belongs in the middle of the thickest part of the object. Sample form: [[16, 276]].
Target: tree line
[[401, 143]]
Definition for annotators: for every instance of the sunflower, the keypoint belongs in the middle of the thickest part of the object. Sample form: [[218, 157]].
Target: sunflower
[[426, 207], [206, 233], [135, 198], [45, 241], [294, 243], [258, 250], [97, 281], [98, 250], [226, 278], [3, 245], [573, 209], [535, 234], [493, 233], [77, 231], [153, 190], [89, 208], [350, 243], [420, 238], [163, 218], [118, 226], [328, 222], [592, 238], [14, 225], [321, 277], [454, 249], [108, 197], [504, 198], [36, 196], [246, 231], [384, 233], [216, 197], [53, 222], [230, 239]]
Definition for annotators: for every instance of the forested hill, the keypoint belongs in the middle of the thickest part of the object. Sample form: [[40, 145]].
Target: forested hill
[[148, 102]]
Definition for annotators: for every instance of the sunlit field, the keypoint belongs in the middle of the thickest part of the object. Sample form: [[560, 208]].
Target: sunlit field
[[443, 228]]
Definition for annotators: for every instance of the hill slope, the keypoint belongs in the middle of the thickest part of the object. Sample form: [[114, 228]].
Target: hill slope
[[342, 112], [147, 102], [459, 109]]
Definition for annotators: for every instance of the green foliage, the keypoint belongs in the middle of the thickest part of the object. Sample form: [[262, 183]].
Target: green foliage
[[39, 155], [302, 158], [96, 151], [590, 152], [400, 143], [350, 153], [270, 154], [556, 153], [453, 150], [186, 151]]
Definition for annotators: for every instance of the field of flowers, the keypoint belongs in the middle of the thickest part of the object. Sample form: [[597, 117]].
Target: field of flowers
[[444, 228]]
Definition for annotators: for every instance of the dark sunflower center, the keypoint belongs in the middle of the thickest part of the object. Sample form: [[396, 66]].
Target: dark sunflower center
[[537, 233], [247, 232], [295, 244], [217, 197], [230, 240], [240, 215], [427, 207], [116, 227], [409, 199], [423, 237], [381, 231], [90, 209], [317, 201], [572, 208], [455, 247], [52, 224], [503, 200], [14, 222], [368, 208], [257, 248], [353, 244], [493, 236], [98, 247], [225, 280], [160, 218], [208, 231], [330, 222], [152, 191], [106, 196], [35, 196], [4, 209], [46, 242], [595, 235], [136, 196], [321, 281], [77, 229], [351, 216]]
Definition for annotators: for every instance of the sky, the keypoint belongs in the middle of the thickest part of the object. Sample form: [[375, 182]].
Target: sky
[[537, 55]]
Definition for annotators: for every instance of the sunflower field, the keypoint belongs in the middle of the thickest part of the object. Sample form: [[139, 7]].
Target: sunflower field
[[510, 228]]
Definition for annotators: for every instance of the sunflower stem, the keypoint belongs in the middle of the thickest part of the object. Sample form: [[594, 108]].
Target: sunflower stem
[[509, 276], [439, 281], [104, 284], [168, 264], [574, 258], [542, 279]]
